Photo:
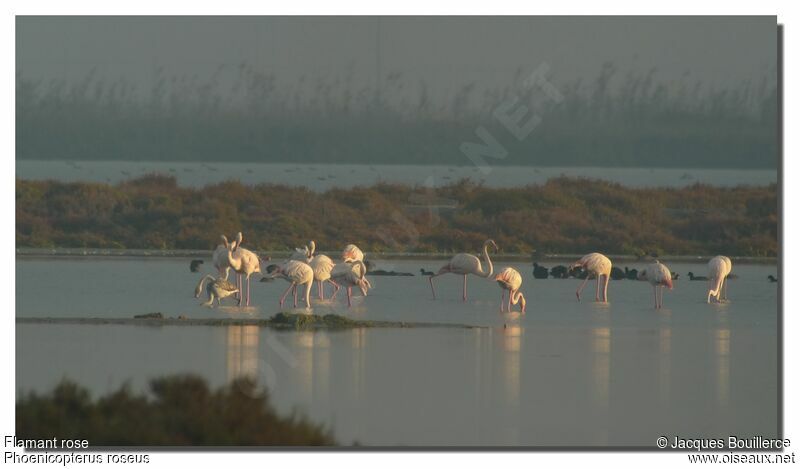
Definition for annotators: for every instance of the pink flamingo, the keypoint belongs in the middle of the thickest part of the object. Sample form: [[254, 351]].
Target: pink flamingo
[[659, 277], [296, 273], [718, 269], [243, 262], [351, 274], [465, 264], [322, 266], [220, 257], [351, 253], [598, 265], [509, 279]]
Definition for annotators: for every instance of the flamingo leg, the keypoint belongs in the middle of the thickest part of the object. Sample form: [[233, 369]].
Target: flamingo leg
[[430, 279], [464, 297], [283, 298], [660, 296], [308, 294], [349, 296], [320, 290], [605, 288], [597, 290], [336, 288], [502, 300], [248, 290], [655, 297], [294, 293], [578, 291], [510, 297]]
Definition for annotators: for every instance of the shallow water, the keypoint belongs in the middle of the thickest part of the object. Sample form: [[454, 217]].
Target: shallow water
[[321, 177], [566, 373]]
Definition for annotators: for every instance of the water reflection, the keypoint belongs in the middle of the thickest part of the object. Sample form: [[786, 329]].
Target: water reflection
[[601, 365], [242, 352], [664, 362], [512, 346], [722, 352]]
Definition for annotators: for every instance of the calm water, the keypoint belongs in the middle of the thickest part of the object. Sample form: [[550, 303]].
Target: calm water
[[567, 373], [325, 176]]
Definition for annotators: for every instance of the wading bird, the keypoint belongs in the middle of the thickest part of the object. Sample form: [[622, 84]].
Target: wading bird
[[598, 265], [772, 278], [718, 268], [510, 280], [559, 271], [216, 289], [349, 275], [243, 262], [659, 277], [465, 264], [351, 253], [322, 266], [304, 254], [194, 266], [220, 257], [425, 272], [296, 273], [539, 271], [696, 277]]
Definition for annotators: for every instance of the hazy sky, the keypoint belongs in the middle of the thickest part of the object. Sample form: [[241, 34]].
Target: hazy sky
[[444, 52]]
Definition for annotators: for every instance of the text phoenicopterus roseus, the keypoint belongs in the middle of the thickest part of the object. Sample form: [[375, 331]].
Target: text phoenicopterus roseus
[[598, 265], [510, 280], [659, 277], [465, 264]]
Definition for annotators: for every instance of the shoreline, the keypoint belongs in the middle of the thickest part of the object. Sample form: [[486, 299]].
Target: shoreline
[[280, 321], [100, 254]]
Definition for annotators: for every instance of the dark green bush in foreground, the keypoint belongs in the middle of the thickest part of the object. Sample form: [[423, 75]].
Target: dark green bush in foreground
[[181, 410], [563, 215]]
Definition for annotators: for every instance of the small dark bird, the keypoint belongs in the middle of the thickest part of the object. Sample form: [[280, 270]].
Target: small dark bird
[[617, 274], [425, 272], [675, 276], [539, 271], [194, 266], [631, 274], [696, 277], [732, 277], [772, 278], [578, 273], [559, 271]]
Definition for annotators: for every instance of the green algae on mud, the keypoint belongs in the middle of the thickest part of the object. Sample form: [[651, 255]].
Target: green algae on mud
[[281, 321]]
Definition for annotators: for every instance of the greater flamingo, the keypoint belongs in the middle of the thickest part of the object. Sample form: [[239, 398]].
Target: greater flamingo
[[465, 264], [659, 277], [718, 269], [351, 253], [243, 262], [509, 279], [216, 289], [322, 266], [351, 274], [296, 273], [305, 254], [598, 265], [220, 257]]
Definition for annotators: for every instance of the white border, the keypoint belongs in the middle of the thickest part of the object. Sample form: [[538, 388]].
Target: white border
[[787, 12]]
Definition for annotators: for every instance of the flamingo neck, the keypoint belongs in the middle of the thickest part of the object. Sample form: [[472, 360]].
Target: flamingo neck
[[199, 289], [516, 296], [488, 262]]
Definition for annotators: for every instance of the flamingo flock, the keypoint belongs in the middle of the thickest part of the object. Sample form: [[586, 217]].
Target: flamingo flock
[[304, 267]]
